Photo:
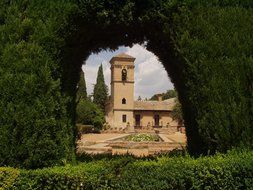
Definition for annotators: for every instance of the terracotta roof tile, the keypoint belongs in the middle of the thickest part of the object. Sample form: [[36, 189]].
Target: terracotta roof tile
[[166, 105]]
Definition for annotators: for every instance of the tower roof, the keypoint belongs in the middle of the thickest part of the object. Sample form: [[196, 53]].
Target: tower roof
[[122, 57]]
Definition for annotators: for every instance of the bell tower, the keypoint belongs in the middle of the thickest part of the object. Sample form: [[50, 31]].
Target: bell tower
[[122, 89]]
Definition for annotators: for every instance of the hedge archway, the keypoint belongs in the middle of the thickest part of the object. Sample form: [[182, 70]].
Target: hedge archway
[[204, 46]]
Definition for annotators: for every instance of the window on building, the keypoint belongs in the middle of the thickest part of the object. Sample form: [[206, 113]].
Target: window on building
[[124, 118], [124, 101], [124, 74]]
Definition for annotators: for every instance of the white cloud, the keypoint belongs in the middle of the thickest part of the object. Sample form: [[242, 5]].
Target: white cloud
[[150, 75]]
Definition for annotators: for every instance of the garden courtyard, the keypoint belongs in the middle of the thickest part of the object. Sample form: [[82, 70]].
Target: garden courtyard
[[137, 144]]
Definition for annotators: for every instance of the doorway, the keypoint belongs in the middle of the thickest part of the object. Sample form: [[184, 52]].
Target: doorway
[[156, 120], [137, 120]]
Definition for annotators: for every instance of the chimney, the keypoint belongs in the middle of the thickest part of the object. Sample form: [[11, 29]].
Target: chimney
[[160, 97]]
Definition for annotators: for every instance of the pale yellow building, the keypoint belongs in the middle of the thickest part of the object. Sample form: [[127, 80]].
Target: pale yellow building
[[123, 112]]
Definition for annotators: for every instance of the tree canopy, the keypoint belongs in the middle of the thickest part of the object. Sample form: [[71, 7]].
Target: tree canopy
[[89, 113]]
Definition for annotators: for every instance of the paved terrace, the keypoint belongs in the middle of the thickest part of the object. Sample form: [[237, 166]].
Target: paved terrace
[[112, 143]]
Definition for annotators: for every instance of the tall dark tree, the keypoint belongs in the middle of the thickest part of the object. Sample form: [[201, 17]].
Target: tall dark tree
[[100, 92], [81, 88]]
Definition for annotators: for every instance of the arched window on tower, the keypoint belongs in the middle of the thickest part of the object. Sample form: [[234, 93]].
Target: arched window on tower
[[124, 101], [124, 74]]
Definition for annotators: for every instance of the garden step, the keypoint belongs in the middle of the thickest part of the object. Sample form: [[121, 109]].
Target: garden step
[[96, 147]]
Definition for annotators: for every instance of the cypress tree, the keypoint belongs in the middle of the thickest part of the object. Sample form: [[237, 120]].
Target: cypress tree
[[81, 88], [100, 92]]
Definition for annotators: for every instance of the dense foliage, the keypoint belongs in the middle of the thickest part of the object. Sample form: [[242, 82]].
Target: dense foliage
[[232, 171], [205, 46], [100, 93], [88, 113], [36, 129]]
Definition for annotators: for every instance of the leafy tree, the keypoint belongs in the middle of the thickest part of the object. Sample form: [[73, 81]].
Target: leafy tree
[[100, 90], [170, 94], [89, 113], [154, 97], [81, 88], [139, 98]]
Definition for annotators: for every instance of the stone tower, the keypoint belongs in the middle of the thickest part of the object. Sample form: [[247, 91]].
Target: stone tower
[[122, 90]]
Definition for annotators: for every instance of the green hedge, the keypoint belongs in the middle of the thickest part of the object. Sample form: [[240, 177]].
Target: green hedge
[[231, 171], [218, 67], [36, 129], [205, 46]]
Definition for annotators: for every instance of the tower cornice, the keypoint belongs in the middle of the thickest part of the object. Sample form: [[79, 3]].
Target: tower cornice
[[122, 57]]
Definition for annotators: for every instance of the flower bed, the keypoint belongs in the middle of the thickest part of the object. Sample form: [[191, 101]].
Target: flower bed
[[143, 137]]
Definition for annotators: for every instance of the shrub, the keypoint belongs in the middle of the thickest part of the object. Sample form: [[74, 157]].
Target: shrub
[[84, 129], [89, 113], [231, 171], [8, 177]]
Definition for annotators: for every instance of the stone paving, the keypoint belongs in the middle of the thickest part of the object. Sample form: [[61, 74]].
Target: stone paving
[[165, 138], [112, 143], [177, 137]]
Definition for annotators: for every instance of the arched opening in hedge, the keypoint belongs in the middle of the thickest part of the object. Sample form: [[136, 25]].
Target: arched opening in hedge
[[182, 43], [85, 41]]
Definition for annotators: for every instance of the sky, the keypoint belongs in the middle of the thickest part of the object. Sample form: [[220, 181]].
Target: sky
[[150, 75]]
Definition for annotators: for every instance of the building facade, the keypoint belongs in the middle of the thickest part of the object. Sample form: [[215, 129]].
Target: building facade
[[122, 111]]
